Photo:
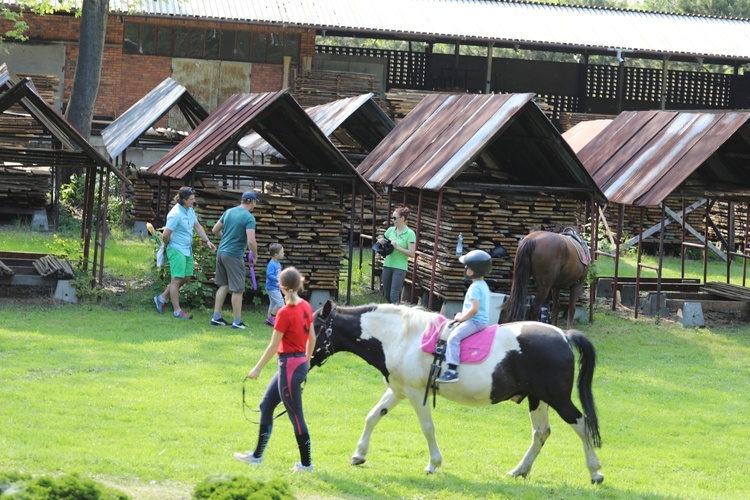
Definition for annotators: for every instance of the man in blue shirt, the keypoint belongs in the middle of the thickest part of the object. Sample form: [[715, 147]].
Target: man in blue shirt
[[236, 228], [178, 240]]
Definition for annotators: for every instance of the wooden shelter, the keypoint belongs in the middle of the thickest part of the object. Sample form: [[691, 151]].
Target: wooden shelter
[[59, 145], [486, 167], [133, 128], [641, 159], [314, 239]]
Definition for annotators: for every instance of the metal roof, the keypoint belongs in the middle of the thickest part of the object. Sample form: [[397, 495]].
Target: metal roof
[[277, 117], [512, 141], [76, 151], [359, 116], [507, 23], [582, 133], [643, 157], [129, 126]]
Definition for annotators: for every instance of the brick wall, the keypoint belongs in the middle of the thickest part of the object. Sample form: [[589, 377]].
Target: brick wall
[[126, 78]]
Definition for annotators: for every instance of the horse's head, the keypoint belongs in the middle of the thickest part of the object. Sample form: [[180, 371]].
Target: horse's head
[[341, 329], [323, 325]]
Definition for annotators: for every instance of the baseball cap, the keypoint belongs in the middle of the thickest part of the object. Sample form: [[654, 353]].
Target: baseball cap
[[249, 196]]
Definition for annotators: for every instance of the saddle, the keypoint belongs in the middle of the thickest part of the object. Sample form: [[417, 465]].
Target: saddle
[[474, 348], [584, 254]]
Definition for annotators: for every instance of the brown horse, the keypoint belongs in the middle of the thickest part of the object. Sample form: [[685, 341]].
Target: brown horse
[[555, 261]]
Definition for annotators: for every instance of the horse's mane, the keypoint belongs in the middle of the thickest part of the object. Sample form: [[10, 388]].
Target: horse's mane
[[417, 320]]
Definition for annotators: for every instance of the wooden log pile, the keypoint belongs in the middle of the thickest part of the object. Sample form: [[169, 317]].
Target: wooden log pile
[[16, 121], [309, 230], [569, 120], [24, 189], [485, 221], [54, 267], [720, 217], [729, 291], [312, 88]]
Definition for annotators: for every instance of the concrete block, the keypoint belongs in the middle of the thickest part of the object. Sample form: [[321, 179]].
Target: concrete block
[[691, 315], [318, 298], [65, 292], [627, 295], [650, 306], [139, 228], [581, 315], [604, 287], [451, 307], [39, 220]]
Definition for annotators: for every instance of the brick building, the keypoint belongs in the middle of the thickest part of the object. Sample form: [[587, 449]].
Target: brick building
[[213, 59]]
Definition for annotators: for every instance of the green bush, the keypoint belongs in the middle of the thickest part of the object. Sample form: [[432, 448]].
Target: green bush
[[228, 487], [18, 486]]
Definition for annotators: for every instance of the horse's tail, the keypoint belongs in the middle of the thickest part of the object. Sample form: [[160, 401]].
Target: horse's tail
[[514, 308], [586, 365]]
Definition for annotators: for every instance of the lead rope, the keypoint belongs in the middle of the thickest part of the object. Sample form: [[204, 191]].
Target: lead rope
[[245, 406]]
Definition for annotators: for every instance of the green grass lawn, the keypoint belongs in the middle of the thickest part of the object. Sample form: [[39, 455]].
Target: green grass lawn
[[152, 405]]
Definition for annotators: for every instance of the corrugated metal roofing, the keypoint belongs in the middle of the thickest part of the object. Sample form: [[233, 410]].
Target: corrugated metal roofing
[[360, 116], [642, 157], [506, 22], [129, 126], [508, 136], [277, 117], [76, 150], [582, 133]]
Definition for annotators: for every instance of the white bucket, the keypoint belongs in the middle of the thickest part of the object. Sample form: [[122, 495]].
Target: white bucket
[[496, 302]]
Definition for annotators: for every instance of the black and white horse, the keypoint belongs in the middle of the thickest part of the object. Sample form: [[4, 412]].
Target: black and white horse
[[527, 360]]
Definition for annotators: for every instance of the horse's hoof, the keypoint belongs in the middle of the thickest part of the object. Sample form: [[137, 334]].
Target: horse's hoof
[[597, 479], [357, 461], [429, 471], [514, 473]]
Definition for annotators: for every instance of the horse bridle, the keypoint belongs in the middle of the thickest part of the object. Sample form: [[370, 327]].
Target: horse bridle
[[326, 332]]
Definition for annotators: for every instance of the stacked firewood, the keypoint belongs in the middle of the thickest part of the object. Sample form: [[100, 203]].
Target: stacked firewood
[[16, 122], [309, 230], [484, 221], [312, 88], [569, 120], [54, 267], [720, 217], [143, 201], [24, 188]]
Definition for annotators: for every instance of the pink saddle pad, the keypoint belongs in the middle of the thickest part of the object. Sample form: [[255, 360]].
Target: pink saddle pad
[[474, 348]]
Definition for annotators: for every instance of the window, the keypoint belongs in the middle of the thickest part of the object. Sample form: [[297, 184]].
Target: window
[[225, 45], [275, 49], [164, 41], [260, 47], [243, 46], [227, 52], [147, 39], [181, 42], [291, 47], [212, 44], [196, 43], [130, 43]]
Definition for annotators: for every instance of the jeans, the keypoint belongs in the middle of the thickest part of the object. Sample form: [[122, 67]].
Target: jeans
[[393, 281]]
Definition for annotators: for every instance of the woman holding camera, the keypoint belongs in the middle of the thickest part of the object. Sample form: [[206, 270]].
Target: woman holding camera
[[404, 242]]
